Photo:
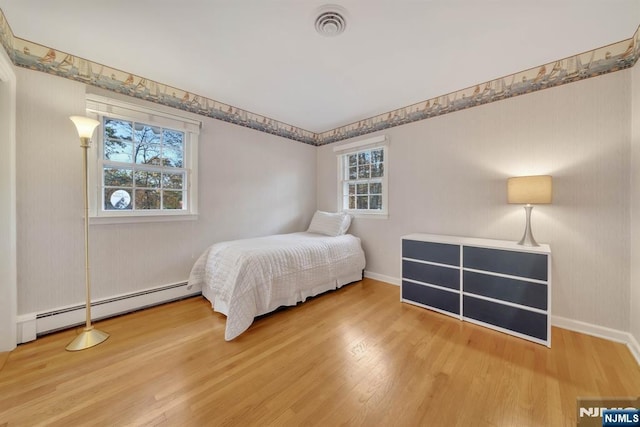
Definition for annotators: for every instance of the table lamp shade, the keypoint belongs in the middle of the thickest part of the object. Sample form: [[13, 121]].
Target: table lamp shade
[[530, 189]]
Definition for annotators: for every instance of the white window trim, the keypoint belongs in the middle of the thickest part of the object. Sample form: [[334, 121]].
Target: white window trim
[[100, 106], [379, 141], [8, 216]]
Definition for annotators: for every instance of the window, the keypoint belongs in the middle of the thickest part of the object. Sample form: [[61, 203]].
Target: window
[[145, 162], [362, 176], [142, 167]]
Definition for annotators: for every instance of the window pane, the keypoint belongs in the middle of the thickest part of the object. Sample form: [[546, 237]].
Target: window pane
[[172, 157], [147, 199], [172, 199], [375, 188], [173, 148], [363, 202], [117, 199], [353, 173], [364, 158], [115, 177], [147, 179], [148, 154], [352, 202], [353, 160], [172, 180], [375, 202], [363, 188], [377, 156], [145, 134], [352, 189], [118, 151], [118, 129], [377, 170], [363, 172]]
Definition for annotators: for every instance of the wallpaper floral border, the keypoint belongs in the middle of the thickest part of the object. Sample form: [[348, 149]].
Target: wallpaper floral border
[[24, 53], [607, 59]]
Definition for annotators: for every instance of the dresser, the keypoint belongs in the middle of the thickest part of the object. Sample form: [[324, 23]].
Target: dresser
[[494, 283]]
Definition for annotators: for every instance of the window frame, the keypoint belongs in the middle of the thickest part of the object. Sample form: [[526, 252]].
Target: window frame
[[342, 153], [99, 108]]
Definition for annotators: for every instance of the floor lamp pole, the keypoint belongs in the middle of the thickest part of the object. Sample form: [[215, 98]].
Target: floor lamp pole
[[89, 336]]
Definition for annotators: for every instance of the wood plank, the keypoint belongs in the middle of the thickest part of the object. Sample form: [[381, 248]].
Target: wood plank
[[4, 356], [356, 356]]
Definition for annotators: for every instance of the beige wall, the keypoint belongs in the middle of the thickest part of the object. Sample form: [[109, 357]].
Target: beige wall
[[635, 203], [448, 176], [250, 184]]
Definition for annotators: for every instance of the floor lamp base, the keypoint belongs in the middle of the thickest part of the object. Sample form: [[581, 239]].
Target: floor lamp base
[[87, 338]]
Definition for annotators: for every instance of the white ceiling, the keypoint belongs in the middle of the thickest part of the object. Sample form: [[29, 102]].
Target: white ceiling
[[264, 56]]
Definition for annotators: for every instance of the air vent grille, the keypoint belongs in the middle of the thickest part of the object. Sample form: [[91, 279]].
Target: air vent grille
[[330, 23]]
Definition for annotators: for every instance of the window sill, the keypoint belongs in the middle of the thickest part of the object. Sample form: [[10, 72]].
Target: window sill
[[368, 215], [129, 219]]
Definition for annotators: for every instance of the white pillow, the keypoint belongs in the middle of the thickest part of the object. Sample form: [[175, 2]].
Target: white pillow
[[346, 222], [331, 224]]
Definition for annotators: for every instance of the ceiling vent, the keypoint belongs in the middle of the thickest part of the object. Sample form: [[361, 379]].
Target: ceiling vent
[[331, 22]]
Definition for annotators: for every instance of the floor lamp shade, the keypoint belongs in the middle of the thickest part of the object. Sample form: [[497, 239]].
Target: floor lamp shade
[[84, 125], [529, 190], [89, 336]]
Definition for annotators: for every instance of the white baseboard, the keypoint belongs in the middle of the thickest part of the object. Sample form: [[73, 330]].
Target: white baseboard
[[382, 278], [26, 328], [31, 325], [590, 329], [634, 347], [600, 332]]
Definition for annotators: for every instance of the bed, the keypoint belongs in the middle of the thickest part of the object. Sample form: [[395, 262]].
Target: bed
[[247, 278]]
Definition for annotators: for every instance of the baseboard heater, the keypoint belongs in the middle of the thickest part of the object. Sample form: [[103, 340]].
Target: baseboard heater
[[34, 325]]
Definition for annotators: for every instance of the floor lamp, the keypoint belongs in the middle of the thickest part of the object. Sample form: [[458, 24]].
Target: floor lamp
[[89, 336]]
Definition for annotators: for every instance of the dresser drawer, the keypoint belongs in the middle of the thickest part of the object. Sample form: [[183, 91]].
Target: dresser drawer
[[511, 318], [522, 264], [494, 283], [432, 274], [502, 288], [440, 253], [436, 298]]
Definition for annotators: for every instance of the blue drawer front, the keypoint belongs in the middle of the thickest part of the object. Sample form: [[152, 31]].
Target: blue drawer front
[[440, 253], [522, 264], [505, 289], [507, 317], [437, 298], [433, 274]]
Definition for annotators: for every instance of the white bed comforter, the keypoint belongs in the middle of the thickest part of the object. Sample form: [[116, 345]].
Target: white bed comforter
[[247, 278]]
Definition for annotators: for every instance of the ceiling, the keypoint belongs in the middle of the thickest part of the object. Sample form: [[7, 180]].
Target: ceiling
[[264, 56]]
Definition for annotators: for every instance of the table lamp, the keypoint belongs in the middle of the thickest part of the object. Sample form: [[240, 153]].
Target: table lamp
[[529, 190]]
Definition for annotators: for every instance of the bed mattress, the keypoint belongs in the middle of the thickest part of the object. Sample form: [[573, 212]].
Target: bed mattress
[[247, 278]]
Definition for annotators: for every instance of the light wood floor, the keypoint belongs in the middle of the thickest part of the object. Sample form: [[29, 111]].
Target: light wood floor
[[356, 356]]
